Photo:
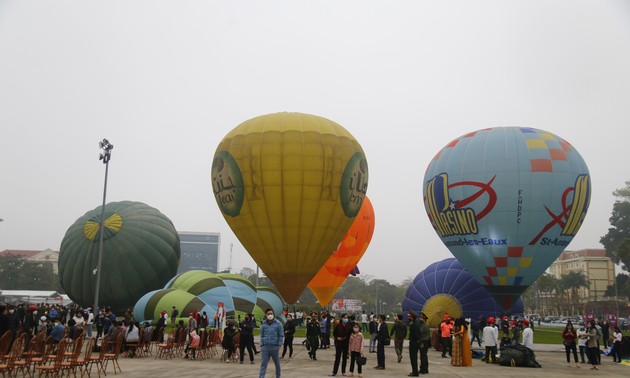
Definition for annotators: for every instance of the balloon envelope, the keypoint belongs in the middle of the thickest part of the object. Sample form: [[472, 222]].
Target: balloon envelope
[[140, 253], [289, 185], [506, 201], [344, 260], [447, 287]]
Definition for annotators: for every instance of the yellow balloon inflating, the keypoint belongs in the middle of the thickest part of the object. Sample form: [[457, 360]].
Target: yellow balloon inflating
[[289, 185]]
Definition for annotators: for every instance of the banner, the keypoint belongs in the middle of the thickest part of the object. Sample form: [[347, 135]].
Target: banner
[[349, 305]]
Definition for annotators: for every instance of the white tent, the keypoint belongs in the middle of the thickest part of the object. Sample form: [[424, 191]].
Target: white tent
[[33, 296]]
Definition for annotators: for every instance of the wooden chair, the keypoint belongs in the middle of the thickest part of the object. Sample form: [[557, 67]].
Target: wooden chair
[[165, 350], [81, 362], [5, 343], [34, 350], [113, 356], [17, 348], [97, 360], [159, 336], [48, 350], [70, 362], [55, 367], [180, 343], [76, 361]]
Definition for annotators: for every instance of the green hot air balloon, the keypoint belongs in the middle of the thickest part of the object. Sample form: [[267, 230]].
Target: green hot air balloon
[[140, 253]]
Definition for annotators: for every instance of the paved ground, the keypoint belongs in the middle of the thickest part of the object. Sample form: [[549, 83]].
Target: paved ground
[[551, 357]]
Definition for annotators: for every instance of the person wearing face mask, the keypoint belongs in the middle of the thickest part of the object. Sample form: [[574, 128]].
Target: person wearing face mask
[[341, 334], [355, 346], [13, 320], [312, 336], [246, 339], [271, 338], [289, 330]]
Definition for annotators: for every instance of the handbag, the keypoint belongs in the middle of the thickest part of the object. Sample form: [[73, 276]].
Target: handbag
[[387, 341], [362, 360]]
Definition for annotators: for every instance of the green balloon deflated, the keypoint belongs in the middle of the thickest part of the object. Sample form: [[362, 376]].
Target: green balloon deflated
[[141, 253]]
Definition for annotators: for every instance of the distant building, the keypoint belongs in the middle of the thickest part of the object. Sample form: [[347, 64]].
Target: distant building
[[199, 250], [597, 268], [47, 255]]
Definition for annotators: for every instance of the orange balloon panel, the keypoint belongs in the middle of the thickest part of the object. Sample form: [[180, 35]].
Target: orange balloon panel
[[335, 271]]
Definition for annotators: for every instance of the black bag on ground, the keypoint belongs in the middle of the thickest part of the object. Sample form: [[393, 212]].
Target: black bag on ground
[[518, 355]]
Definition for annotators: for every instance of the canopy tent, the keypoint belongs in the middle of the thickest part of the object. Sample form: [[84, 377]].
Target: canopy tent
[[33, 296]]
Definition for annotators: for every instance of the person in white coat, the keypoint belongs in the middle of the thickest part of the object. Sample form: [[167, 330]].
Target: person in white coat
[[528, 335], [491, 340]]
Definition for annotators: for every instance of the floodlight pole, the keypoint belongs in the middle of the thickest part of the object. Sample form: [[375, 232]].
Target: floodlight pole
[[105, 156]]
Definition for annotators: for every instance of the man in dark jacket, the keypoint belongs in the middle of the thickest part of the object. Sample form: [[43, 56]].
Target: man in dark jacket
[[425, 343], [398, 333], [289, 330], [312, 335], [414, 343]]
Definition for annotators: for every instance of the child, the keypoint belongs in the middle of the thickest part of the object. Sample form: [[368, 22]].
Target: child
[[356, 349]]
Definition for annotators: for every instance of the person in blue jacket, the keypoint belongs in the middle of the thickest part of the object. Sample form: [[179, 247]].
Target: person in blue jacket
[[271, 339]]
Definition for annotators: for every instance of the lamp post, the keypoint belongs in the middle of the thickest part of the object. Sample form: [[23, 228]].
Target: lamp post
[[106, 155]]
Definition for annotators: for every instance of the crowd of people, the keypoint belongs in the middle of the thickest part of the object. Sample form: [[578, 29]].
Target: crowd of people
[[453, 337]]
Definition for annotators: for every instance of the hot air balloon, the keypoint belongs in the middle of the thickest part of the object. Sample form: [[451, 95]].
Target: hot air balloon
[[447, 287], [506, 201], [289, 185], [150, 305], [140, 253], [267, 297], [236, 293], [344, 260]]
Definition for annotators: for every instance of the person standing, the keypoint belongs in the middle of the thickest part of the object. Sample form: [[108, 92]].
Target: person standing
[[491, 339], [323, 325], [569, 337], [312, 336], [271, 339], [246, 339], [582, 338], [174, 315], [528, 336], [355, 346], [364, 322], [446, 329], [592, 345], [373, 326], [341, 335], [289, 331], [425, 343], [605, 326], [462, 355], [399, 332], [616, 345], [382, 335], [476, 327], [414, 343]]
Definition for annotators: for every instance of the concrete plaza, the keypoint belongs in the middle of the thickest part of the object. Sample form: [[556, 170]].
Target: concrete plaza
[[551, 357]]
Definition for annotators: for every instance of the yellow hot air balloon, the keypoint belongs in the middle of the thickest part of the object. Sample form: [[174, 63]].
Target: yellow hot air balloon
[[289, 185]]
